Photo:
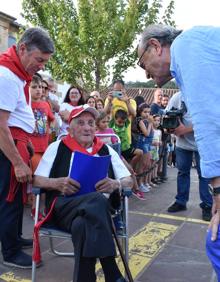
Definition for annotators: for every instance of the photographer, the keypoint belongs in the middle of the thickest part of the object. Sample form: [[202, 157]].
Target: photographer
[[185, 148]]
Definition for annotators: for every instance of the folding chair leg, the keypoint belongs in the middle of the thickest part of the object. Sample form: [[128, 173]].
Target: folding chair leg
[[126, 239], [63, 254], [34, 271], [34, 265]]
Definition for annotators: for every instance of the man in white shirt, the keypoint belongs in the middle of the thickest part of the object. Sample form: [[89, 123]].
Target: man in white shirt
[[17, 65]]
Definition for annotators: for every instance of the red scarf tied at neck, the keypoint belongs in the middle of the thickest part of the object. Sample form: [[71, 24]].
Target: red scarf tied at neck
[[10, 60], [74, 146]]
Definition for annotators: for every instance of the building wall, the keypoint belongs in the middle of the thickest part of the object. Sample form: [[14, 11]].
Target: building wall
[[8, 31], [4, 27]]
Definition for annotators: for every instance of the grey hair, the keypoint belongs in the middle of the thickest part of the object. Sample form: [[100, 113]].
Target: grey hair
[[37, 38], [163, 33]]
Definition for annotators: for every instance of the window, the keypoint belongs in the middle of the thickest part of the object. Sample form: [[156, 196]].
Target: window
[[11, 40]]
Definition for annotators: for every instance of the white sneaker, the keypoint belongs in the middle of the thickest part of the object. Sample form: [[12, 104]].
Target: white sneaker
[[144, 188], [153, 185]]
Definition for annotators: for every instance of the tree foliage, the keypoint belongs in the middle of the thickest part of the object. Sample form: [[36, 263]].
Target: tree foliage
[[94, 36]]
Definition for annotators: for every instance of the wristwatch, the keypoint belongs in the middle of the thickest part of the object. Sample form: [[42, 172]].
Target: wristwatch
[[214, 191]]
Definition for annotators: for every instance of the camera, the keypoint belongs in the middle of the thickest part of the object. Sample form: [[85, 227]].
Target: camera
[[171, 118], [117, 94]]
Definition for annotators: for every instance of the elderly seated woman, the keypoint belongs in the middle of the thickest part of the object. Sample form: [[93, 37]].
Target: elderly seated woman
[[87, 217]]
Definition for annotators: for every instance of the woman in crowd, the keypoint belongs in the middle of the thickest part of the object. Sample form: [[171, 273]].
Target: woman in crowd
[[74, 97]]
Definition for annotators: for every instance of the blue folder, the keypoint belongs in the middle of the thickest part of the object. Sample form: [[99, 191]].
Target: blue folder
[[88, 170]]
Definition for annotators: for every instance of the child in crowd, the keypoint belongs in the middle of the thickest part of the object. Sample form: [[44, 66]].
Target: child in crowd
[[120, 124], [156, 142], [99, 105], [170, 150], [91, 101], [132, 156], [43, 116], [102, 129], [144, 140]]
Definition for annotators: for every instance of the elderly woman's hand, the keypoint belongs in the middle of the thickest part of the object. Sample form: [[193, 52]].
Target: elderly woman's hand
[[66, 185], [107, 185]]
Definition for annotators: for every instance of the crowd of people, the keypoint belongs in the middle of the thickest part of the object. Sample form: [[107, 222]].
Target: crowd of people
[[144, 145]]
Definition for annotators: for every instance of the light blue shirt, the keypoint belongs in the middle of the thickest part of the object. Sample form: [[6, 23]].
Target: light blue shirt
[[195, 64]]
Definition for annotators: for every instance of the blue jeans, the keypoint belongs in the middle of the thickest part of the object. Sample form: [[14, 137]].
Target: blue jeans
[[184, 163]]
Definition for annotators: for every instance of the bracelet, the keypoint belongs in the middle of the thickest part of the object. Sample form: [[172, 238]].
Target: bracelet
[[119, 183]]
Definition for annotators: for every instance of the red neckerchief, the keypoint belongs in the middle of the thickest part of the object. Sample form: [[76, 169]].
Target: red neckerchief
[[73, 105], [74, 146], [10, 60]]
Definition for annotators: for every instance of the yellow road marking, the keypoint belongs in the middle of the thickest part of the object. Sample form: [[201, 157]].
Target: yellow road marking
[[144, 246], [168, 216], [10, 277]]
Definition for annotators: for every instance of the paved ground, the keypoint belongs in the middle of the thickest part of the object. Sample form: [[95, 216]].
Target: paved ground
[[163, 247]]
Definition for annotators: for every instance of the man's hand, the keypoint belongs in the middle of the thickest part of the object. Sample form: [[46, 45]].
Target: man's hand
[[107, 185], [214, 225], [66, 185], [182, 129], [124, 96], [215, 217], [23, 173], [110, 97]]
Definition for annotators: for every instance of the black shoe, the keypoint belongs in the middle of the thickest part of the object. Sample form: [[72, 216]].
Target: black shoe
[[20, 260], [121, 279], [26, 243], [207, 214], [163, 179], [176, 207], [155, 181]]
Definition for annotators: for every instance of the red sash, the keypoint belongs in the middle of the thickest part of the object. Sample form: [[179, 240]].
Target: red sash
[[21, 139]]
